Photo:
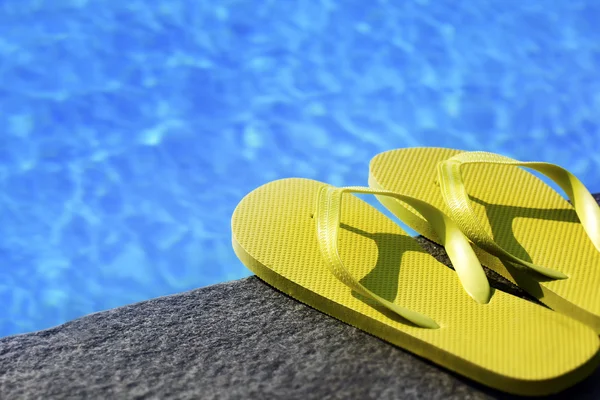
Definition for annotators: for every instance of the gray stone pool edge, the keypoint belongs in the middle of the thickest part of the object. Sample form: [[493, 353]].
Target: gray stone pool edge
[[240, 339]]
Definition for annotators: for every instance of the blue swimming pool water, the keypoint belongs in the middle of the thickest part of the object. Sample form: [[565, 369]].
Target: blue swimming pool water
[[130, 129]]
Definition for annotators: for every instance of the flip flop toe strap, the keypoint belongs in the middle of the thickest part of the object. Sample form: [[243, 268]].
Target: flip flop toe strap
[[464, 260], [456, 197]]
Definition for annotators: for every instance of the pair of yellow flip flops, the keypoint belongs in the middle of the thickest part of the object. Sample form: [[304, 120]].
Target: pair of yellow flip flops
[[338, 254]]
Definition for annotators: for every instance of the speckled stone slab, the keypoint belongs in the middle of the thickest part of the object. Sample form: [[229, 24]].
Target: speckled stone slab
[[236, 340]]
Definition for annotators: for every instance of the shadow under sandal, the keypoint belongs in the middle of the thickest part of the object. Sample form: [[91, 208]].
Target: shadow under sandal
[[333, 251], [521, 227]]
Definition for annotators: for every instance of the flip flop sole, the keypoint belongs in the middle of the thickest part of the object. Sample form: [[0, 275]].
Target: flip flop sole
[[509, 343], [522, 213]]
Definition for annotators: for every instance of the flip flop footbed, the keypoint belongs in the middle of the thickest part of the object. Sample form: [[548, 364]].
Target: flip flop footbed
[[509, 343], [523, 214]]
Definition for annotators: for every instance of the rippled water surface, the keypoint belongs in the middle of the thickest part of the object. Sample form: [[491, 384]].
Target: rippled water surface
[[129, 130]]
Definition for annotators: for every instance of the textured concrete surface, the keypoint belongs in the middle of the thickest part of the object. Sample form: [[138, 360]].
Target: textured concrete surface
[[236, 340]]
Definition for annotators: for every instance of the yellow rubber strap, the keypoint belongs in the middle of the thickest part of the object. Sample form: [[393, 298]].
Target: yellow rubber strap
[[464, 260], [456, 197]]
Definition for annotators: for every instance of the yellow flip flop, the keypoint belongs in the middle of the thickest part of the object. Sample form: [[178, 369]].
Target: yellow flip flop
[[521, 227], [336, 253]]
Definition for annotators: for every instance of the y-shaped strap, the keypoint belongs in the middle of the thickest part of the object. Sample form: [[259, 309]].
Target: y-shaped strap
[[456, 197], [461, 254]]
